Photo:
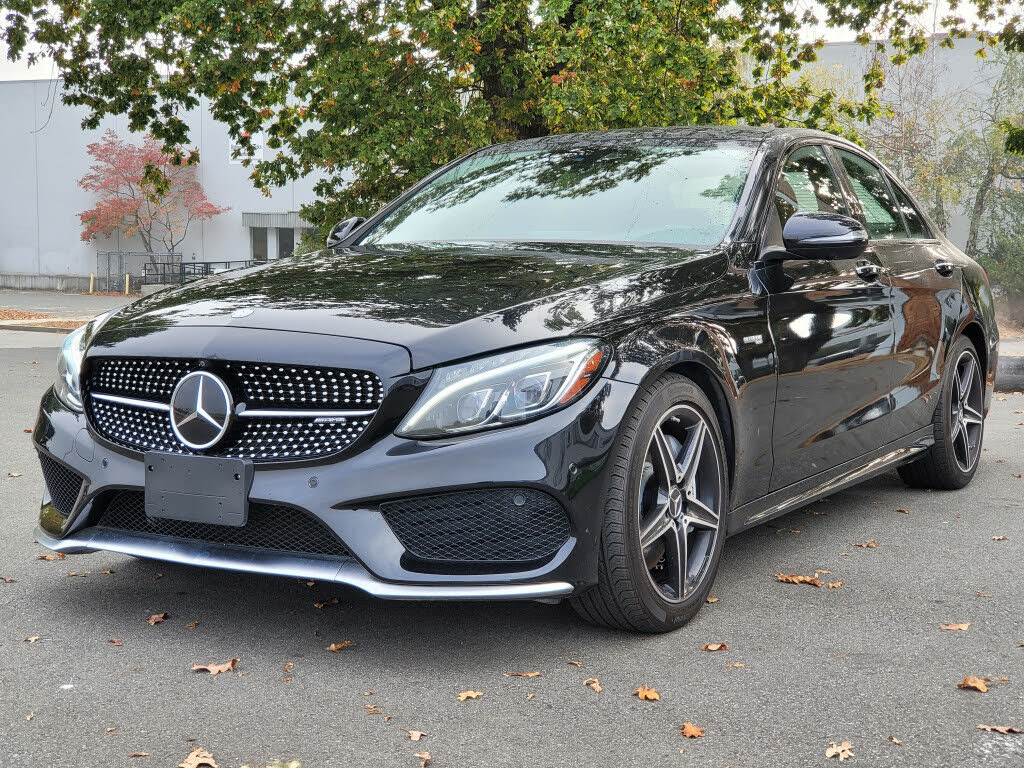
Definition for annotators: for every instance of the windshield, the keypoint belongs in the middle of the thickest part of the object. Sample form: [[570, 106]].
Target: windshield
[[675, 195]]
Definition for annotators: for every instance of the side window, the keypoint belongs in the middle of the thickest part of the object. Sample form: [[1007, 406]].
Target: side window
[[915, 222], [881, 214], [807, 183]]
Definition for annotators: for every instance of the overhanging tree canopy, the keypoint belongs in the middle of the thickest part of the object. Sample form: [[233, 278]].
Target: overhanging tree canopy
[[388, 90]]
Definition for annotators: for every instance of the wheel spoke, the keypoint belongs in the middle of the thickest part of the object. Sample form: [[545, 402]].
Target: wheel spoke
[[967, 378], [957, 429], [962, 436], [692, 453], [700, 514], [678, 547], [664, 458], [971, 416], [656, 527]]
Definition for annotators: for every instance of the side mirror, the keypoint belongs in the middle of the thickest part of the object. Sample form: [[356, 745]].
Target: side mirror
[[342, 230], [820, 235]]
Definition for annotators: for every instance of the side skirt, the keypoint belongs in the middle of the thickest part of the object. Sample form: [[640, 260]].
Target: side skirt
[[831, 480]]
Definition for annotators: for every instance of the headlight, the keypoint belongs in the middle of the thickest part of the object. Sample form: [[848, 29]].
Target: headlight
[[503, 389], [69, 362]]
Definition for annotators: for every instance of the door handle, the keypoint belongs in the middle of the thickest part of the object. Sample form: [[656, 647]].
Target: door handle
[[944, 268], [868, 271]]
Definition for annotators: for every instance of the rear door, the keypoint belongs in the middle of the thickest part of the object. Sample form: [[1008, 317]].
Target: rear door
[[831, 321], [926, 283]]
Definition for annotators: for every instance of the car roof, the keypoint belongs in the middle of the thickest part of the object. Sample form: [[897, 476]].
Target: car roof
[[745, 134]]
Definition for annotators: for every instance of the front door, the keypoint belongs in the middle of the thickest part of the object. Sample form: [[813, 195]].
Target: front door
[[832, 324]]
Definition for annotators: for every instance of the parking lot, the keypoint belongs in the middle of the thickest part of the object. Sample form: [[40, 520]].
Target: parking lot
[[866, 662]]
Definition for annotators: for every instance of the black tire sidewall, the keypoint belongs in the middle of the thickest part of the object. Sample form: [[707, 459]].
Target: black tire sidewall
[[962, 477]]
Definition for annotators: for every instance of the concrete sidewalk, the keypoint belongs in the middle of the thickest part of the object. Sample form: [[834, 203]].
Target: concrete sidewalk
[[70, 306]]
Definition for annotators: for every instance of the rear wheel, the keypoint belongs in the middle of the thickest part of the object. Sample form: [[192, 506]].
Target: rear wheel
[[959, 425], [664, 513]]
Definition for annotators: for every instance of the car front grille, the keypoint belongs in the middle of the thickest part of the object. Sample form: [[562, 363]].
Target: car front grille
[[127, 399], [502, 525], [269, 526], [62, 483]]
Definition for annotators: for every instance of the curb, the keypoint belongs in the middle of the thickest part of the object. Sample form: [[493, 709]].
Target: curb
[[43, 328]]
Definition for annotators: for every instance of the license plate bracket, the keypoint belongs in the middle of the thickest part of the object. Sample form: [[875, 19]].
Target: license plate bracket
[[198, 489]]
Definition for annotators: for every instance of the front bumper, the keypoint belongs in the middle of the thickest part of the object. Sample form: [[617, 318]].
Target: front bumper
[[562, 454]]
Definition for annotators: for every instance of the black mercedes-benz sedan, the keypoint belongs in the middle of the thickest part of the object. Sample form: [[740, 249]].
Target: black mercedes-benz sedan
[[567, 367]]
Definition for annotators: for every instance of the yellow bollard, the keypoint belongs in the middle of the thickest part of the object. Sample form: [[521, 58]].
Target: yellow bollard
[[92, 281], [126, 284]]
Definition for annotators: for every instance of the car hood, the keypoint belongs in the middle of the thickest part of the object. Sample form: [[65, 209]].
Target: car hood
[[440, 303]]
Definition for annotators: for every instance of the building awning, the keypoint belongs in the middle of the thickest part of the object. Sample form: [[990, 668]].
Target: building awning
[[290, 220]]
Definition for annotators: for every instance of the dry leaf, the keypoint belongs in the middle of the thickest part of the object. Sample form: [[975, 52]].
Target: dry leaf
[[215, 669], [332, 601], [372, 709], [1015, 474], [83, 574], [576, 663], [523, 674], [30, 716], [822, 572], [1000, 538], [734, 664], [335, 647], [795, 578], [139, 754], [834, 584], [903, 511], [14, 474], [51, 558], [289, 666], [951, 627], [112, 729], [715, 647], [647, 694], [158, 576], [593, 682], [470, 695], [982, 594], [414, 735], [711, 599], [691, 731], [27, 431], [1005, 729], [156, 618], [529, 696], [842, 751], [424, 758], [7, 580], [115, 641], [844, 554], [894, 740], [866, 545], [33, 639], [973, 682], [107, 572], [198, 757], [192, 624], [367, 693]]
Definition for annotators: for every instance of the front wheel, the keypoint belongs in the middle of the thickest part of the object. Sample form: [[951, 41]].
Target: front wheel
[[665, 513], [959, 425]]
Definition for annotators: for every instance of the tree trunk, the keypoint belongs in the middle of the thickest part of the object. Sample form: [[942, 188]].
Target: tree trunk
[[978, 210]]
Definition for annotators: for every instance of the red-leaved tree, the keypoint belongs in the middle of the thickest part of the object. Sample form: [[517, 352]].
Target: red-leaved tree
[[129, 203]]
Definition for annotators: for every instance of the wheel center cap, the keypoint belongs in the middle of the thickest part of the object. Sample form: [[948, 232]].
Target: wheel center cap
[[675, 503]]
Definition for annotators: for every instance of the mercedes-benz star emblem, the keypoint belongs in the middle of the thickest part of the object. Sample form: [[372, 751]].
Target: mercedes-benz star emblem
[[201, 409]]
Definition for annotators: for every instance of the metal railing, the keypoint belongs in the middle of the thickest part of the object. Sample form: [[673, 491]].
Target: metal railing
[[113, 268], [181, 272]]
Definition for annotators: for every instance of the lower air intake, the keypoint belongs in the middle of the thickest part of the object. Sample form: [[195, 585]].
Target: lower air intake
[[62, 483], [269, 526], [502, 525]]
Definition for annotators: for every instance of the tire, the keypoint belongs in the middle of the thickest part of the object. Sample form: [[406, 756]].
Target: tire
[[639, 586], [959, 425]]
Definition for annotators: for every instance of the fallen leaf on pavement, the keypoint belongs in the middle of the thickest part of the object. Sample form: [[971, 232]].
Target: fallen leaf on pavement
[[734, 664], [647, 694], [424, 758], [51, 558], [33, 639], [7, 580], [156, 618], [1000, 538], [593, 682], [715, 647], [289, 666], [27, 431], [83, 574], [795, 578], [866, 545], [414, 735], [335, 647], [107, 572], [903, 511], [215, 669], [139, 754], [842, 751], [973, 682], [523, 674], [691, 731], [834, 584], [711, 599], [14, 474], [1004, 729], [952, 627], [372, 709], [198, 757], [470, 695], [529, 696], [112, 729], [576, 663], [821, 572], [894, 740], [30, 716], [115, 641], [332, 601], [982, 594], [192, 624]]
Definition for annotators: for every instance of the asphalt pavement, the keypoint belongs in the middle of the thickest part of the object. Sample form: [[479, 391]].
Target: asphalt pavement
[[805, 666]]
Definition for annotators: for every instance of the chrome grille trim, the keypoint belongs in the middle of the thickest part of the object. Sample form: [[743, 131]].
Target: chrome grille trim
[[134, 402], [314, 414]]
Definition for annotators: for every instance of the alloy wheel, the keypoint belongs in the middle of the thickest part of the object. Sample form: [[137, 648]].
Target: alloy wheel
[[679, 503], [965, 411]]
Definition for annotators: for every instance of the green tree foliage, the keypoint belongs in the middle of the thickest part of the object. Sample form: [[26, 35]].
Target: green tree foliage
[[375, 94]]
